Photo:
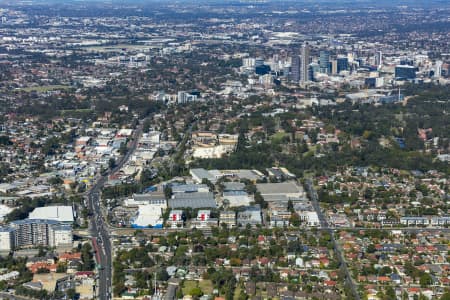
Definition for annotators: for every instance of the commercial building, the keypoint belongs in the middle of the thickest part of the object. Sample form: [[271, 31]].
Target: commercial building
[[193, 200], [281, 193], [60, 235], [310, 218], [175, 218], [378, 58], [157, 199], [7, 239], [295, 68], [250, 216], [438, 69], [234, 195], [228, 217], [199, 174], [184, 97], [405, 72], [149, 215], [204, 219], [324, 61], [62, 214], [304, 63], [236, 198], [342, 64], [190, 188]]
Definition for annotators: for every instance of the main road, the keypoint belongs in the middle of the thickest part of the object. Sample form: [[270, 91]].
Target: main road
[[98, 225], [324, 226]]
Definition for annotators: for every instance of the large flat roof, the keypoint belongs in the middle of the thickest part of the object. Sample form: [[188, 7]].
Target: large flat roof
[[279, 188], [57, 213], [193, 200]]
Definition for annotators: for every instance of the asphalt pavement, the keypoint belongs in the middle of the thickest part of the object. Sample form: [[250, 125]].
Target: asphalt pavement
[[99, 227], [325, 226]]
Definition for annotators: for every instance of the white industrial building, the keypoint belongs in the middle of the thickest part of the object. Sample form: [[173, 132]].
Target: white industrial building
[[311, 218], [149, 215], [62, 214], [155, 198], [236, 198], [199, 174], [290, 190]]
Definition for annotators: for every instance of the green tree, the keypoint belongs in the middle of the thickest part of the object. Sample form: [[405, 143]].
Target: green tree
[[425, 280], [295, 220], [111, 163], [196, 292], [71, 293]]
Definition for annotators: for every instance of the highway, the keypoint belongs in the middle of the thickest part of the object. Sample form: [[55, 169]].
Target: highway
[[98, 225], [324, 226]]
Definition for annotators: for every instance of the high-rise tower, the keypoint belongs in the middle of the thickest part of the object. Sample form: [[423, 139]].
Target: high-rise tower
[[325, 62], [304, 63], [295, 68]]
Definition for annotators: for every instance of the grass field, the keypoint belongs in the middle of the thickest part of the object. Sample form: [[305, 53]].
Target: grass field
[[277, 137], [205, 285], [188, 285]]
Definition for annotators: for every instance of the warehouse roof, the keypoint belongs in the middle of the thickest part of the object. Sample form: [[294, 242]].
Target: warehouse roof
[[233, 186], [279, 188], [193, 200], [56, 213]]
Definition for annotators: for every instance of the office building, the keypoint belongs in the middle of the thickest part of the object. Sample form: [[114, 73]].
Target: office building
[[342, 64], [304, 63], [259, 61], [184, 97], [248, 62], [438, 69], [374, 82], [324, 61], [334, 69], [295, 68], [405, 72], [378, 59]]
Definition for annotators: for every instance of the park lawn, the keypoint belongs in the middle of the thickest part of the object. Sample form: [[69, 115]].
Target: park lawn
[[277, 137], [188, 285], [206, 286]]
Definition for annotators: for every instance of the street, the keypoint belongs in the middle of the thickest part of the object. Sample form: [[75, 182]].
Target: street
[[324, 226], [99, 226]]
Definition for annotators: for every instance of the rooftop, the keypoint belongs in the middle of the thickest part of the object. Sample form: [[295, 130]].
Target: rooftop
[[56, 213]]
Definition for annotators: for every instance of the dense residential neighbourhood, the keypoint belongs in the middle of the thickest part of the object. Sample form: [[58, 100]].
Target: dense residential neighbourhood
[[224, 150]]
